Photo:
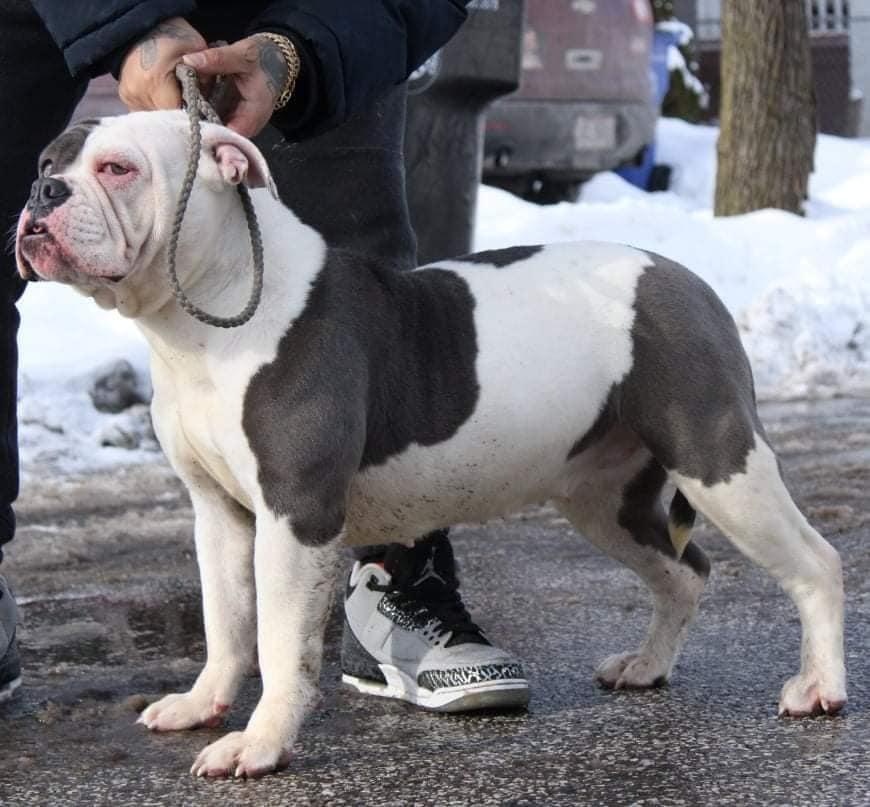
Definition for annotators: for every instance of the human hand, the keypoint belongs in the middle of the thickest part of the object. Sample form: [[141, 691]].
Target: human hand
[[254, 74], [147, 79]]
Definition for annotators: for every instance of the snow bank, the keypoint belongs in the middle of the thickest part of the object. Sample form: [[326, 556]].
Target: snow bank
[[798, 287]]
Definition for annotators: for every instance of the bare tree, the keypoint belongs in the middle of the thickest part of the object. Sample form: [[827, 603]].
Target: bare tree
[[768, 107]]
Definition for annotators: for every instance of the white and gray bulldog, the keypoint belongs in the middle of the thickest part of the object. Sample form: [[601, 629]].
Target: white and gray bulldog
[[360, 405]]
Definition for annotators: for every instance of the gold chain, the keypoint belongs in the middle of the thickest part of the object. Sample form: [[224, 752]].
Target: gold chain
[[293, 62]]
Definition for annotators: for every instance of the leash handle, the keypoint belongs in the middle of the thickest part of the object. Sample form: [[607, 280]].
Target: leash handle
[[198, 109]]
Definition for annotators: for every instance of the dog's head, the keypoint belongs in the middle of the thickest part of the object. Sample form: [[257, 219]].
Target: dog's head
[[100, 212]]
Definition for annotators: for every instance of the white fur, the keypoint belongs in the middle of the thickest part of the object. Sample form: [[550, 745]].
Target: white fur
[[756, 512]]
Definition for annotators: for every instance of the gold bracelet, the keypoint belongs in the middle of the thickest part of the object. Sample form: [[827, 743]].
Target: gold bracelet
[[293, 62]]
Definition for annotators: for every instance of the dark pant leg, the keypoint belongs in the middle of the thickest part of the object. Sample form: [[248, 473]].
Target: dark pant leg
[[349, 183], [37, 97]]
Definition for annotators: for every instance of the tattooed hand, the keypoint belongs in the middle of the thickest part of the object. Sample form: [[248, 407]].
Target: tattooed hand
[[147, 79], [254, 74]]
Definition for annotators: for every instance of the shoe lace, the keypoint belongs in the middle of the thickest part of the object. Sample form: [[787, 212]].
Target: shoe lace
[[445, 611]]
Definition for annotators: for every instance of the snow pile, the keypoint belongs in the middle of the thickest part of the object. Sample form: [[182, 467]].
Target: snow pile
[[798, 287], [65, 343]]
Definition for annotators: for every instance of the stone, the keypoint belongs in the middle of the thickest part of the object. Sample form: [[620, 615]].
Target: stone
[[117, 387]]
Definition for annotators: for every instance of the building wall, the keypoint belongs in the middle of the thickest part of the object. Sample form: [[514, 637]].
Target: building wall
[[709, 12], [860, 30], [831, 16], [837, 18]]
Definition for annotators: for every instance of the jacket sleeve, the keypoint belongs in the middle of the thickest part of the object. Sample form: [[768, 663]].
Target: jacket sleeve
[[91, 31], [355, 51]]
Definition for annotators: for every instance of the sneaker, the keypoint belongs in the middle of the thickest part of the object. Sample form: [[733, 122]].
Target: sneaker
[[10, 667], [407, 635]]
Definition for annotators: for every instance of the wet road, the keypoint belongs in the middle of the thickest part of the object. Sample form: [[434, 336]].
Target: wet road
[[104, 569]]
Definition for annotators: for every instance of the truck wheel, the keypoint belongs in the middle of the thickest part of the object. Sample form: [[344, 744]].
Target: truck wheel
[[659, 178], [551, 192]]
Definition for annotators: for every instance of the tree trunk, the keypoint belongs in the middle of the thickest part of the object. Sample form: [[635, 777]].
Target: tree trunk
[[768, 108]]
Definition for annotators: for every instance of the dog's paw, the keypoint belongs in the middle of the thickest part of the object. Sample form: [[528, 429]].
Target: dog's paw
[[805, 694], [186, 711], [631, 671], [241, 754]]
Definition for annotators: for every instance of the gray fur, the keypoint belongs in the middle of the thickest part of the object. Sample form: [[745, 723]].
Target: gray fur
[[500, 258], [63, 151], [642, 515], [346, 390], [689, 394]]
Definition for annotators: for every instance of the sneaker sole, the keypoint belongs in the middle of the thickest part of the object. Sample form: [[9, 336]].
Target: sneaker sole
[[512, 693], [8, 689], [10, 671]]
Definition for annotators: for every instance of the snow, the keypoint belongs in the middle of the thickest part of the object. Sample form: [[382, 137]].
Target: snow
[[681, 32], [799, 289], [676, 61]]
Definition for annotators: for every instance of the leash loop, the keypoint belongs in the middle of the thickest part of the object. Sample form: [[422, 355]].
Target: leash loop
[[199, 109]]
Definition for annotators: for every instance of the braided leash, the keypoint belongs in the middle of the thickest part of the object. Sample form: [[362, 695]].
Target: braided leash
[[198, 108]]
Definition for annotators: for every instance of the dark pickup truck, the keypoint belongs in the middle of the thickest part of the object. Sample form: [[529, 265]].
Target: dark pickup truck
[[586, 100]]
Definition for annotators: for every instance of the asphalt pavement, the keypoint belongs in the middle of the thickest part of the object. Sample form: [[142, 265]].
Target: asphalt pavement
[[103, 567]]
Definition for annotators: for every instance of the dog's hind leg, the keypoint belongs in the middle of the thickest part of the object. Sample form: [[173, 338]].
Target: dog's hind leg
[[624, 518], [690, 398], [754, 509]]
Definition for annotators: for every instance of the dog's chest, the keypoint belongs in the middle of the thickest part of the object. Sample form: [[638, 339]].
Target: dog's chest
[[197, 411]]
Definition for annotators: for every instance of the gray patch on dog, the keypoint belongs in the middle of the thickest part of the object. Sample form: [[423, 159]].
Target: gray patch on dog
[[603, 424], [376, 361], [642, 515], [500, 258], [689, 394], [63, 151], [689, 397]]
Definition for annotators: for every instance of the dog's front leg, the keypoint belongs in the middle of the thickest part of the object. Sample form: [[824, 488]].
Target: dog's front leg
[[294, 591], [224, 534]]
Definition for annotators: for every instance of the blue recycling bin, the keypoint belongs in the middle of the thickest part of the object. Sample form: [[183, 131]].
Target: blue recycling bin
[[640, 172]]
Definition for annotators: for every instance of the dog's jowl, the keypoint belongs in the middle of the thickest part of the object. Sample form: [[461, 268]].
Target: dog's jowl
[[362, 406]]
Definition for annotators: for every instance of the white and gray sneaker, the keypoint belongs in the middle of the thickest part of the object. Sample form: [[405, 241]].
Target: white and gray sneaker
[[408, 636], [10, 667]]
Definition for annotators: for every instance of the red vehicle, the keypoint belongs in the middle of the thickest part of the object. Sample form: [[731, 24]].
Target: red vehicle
[[586, 101]]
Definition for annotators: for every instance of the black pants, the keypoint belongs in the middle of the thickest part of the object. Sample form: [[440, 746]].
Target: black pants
[[349, 184], [37, 97]]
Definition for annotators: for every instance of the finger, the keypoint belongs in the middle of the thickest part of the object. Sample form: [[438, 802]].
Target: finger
[[242, 123], [228, 60], [167, 95], [247, 119], [132, 102]]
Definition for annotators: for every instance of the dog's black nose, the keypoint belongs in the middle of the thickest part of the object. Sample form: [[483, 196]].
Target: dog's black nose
[[48, 193]]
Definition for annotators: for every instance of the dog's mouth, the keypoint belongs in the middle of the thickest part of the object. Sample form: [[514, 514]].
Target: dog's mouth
[[33, 241], [40, 256]]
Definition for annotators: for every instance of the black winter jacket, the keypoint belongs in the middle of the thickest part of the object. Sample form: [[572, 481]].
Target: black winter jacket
[[352, 50]]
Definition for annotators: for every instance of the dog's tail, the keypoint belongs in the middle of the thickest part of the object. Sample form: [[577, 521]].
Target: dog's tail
[[681, 519]]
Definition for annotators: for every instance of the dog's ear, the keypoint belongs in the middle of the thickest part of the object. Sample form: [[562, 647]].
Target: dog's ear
[[237, 158]]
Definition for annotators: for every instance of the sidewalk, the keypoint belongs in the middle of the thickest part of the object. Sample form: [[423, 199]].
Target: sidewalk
[[105, 572]]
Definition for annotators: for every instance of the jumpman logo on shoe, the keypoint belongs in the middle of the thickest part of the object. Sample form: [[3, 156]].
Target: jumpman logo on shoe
[[429, 571]]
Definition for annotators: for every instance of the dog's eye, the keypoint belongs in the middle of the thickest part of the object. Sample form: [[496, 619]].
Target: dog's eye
[[45, 168], [115, 169]]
